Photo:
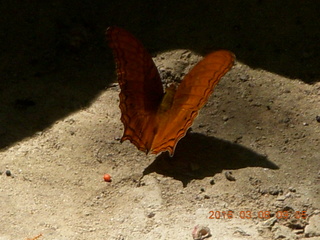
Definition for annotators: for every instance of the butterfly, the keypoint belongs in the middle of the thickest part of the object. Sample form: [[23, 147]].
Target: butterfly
[[155, 120]]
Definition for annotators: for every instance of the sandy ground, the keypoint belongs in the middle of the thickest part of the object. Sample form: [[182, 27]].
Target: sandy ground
[[248, 169]]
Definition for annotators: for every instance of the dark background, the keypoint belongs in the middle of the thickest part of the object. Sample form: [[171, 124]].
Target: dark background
[[54, 59]]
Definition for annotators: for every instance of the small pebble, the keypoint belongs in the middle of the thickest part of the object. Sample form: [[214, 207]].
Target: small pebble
[[281, 198], [151, 215], [275, 191], [318, 118], [229, 176], [8, 173], [200, 232], [117, 138], [288, 195], [244, 77], [292, 189], [225, 118]]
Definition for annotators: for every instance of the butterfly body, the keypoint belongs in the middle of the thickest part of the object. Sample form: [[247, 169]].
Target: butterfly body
[[167, 99], [155, 121]]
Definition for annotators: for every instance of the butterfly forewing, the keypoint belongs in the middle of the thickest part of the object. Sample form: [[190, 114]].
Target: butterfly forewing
[[141, 88]]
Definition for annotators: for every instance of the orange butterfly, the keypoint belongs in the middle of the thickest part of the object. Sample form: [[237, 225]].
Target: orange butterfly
[[155, 121]]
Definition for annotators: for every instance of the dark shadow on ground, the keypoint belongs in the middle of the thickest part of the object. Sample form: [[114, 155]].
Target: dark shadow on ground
[[198, 156]]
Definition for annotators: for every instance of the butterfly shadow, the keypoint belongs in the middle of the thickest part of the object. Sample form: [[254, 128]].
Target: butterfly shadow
[[198, 156]]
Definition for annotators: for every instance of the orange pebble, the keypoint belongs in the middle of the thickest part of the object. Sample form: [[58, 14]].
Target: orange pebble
[[107, 177]]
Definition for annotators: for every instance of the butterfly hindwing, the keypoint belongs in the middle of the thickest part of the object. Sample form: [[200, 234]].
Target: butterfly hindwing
[[193, 92]]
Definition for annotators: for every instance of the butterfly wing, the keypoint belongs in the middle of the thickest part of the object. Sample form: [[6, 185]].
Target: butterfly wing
[[141, 88], [189, 98]]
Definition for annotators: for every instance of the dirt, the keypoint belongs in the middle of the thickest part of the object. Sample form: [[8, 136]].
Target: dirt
[[248, 169]]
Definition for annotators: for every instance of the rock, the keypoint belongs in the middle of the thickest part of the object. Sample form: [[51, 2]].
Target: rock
[[292, 189], [200, 232], [229, 176], [313, 229], [151, 215], [241, 232], [281, 198], [244, 77], [275, 190], [8, 173], [269, 223], [282, 232]]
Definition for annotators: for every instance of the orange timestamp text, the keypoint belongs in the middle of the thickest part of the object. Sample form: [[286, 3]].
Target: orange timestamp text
[[257, 214]]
